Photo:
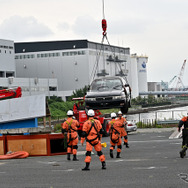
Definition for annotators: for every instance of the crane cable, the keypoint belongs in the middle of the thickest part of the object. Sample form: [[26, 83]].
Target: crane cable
[[103, 9], [96, 62], [104, 27]]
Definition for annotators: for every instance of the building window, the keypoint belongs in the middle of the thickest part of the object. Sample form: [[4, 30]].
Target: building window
[[65, 53], [52, 88], [2, 74], [9, 74], [83, 53]]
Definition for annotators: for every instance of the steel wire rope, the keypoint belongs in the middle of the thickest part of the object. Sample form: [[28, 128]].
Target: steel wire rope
[[103, 9], [93, 73], [96, 62], [113, 51]]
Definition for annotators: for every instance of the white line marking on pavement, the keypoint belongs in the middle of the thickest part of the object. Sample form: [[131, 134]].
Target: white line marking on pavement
[[126, 160], [149, 168], [143, 141], [175, 134], [184, 177], [48, 162], [67, 170], [176, 143]]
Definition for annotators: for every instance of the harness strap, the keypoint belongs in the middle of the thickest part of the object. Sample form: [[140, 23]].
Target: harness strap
[[97, 135], [116, 132], [69, 130]]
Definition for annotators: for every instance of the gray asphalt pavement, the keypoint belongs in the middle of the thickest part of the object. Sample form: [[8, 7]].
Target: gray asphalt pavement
[[152, 161]]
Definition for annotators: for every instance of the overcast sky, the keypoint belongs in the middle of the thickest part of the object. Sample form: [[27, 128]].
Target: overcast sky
[[156, 28]]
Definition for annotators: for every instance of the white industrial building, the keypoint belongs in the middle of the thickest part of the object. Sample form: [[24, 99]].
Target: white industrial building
[[29, 85], [60, 67], [138, 74], [74, 64], [7, 64]]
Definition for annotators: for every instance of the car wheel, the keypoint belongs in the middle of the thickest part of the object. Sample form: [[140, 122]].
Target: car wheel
[[105, 128], [125, 108]]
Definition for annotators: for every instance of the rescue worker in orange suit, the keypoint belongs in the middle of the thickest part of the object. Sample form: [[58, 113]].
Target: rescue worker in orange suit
[[91, 131], [115, 137], [184, 121], [70, 127], [123, 122]]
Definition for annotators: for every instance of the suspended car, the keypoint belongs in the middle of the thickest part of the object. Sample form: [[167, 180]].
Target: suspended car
[[109, 92]]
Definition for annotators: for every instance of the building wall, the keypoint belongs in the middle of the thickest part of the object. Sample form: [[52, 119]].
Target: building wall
[[73, 68], [154, 86], [7, 63], [134, 77], [69, 70], [31, 86], [142, 73]]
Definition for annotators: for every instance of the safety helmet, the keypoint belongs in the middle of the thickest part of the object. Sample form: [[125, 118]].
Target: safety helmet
[[113, 115], [91, 113], [70, 113], [119, 113]]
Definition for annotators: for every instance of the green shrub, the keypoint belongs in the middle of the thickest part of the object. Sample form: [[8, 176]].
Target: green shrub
[[57, 128]]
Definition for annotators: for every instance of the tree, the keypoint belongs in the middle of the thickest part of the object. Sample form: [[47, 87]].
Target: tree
[[79, 93]]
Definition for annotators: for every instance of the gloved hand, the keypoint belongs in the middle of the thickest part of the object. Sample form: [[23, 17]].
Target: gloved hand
[[179, 129]]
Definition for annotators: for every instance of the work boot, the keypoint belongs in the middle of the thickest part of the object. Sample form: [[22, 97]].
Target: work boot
[[111, 154], [75, 158], [126, 144], [86, 167], [183, 152], [118, 155], [68, 156], [103, 165]]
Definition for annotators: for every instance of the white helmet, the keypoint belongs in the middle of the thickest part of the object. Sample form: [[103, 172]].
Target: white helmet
[[119, 113], [113, 115], [70, 113], [91, 113]]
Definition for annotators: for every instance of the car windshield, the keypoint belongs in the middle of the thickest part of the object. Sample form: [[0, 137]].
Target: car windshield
[[106, 84]]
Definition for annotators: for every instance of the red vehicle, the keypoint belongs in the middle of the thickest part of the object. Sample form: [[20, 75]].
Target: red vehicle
[[10, 93], [81, 115]]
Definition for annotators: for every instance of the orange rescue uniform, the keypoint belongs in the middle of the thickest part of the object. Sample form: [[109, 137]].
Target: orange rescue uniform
[[71, 126], [115, 135], [92, 128], [121, 127]]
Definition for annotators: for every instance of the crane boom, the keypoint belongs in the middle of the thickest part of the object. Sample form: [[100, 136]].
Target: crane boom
[[180, 76]]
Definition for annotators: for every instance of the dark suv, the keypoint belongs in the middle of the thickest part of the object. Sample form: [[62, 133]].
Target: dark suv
[[109, 92]]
